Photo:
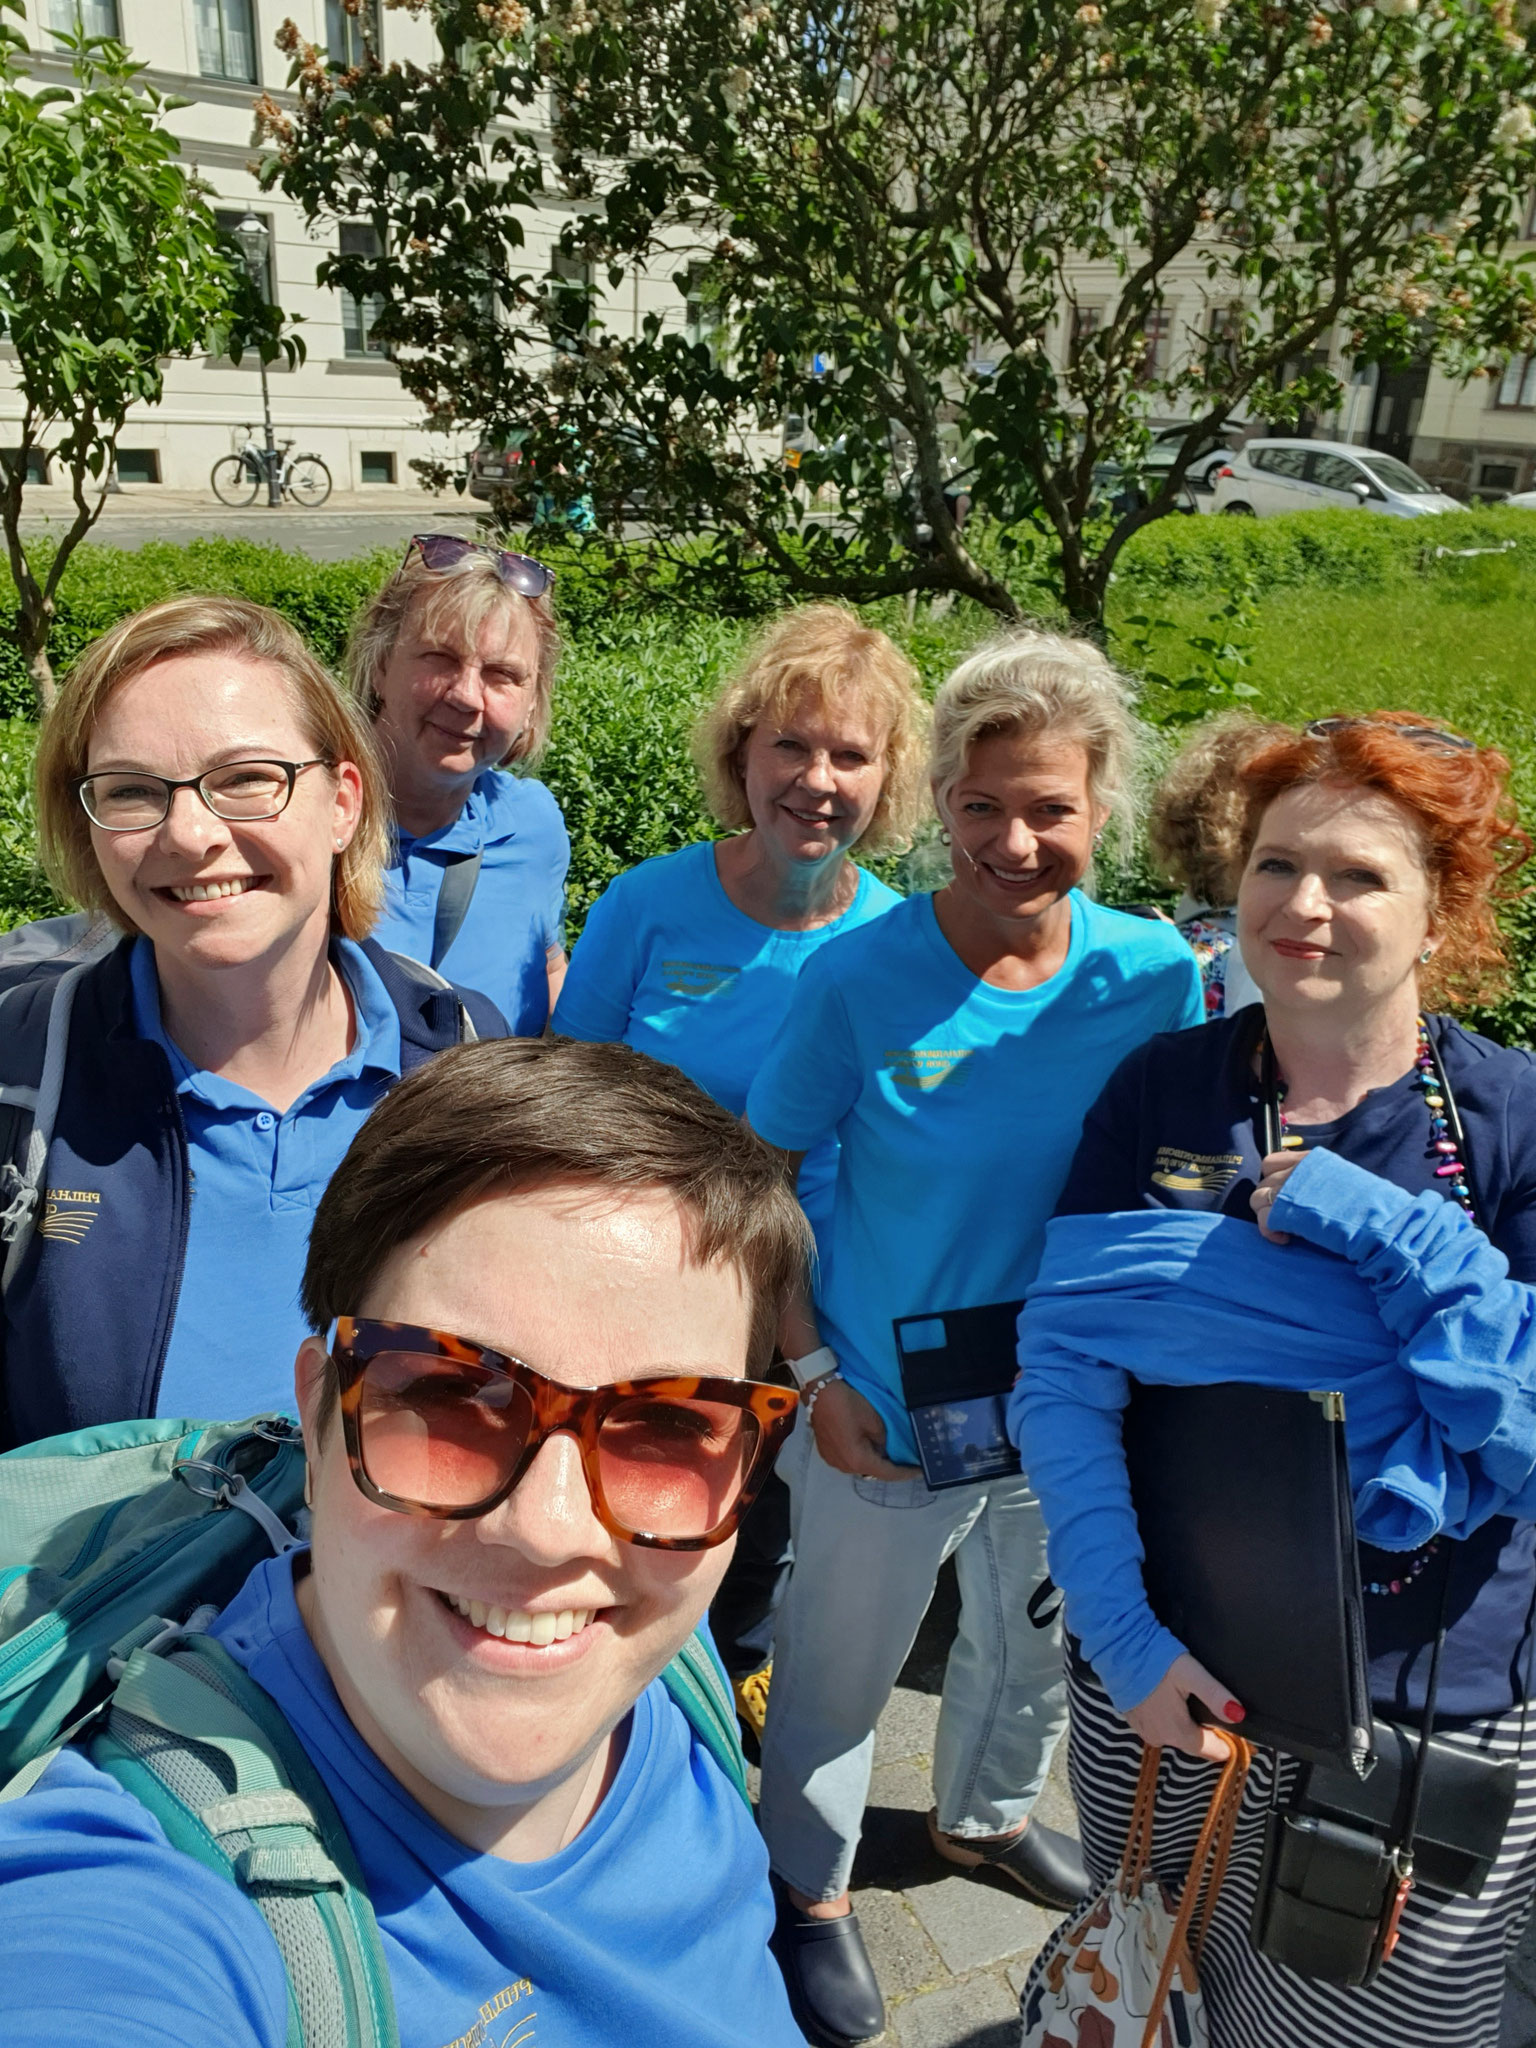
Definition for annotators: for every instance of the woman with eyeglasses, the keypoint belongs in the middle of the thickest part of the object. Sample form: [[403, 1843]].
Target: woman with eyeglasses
[[537, 1289], [1375, 850], [202, 784], [453, 662]]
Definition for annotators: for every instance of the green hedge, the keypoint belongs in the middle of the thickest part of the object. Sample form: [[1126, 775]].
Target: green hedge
[[1347, 591], [1337, 550]]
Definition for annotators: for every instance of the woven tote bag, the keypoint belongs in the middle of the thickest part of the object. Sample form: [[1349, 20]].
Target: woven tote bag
[[1122, 1972]]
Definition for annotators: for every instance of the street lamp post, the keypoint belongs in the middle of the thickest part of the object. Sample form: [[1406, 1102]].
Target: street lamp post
[[255, 241]]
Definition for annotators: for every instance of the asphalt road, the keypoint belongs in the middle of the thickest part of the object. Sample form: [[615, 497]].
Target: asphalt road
[[345, 526]]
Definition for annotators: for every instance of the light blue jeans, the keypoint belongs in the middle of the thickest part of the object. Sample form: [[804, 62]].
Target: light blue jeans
[[867, 1553]]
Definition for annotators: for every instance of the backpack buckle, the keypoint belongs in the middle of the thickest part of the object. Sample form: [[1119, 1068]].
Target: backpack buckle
[[20, 1202]]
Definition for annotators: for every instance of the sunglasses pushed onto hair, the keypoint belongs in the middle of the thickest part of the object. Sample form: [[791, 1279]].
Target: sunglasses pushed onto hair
[[1421, 735], [440, 551], [437, 1425]]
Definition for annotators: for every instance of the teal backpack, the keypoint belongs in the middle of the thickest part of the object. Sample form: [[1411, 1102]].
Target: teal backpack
[[118, 1547]]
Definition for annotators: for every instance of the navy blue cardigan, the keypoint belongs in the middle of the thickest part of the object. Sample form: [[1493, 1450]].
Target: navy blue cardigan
[[86, 1324]]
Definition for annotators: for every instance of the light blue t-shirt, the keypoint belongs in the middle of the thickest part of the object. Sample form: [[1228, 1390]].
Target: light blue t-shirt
[[667, 963], [958, 1106], [649, 1930], [257, 1178], [517, 911]]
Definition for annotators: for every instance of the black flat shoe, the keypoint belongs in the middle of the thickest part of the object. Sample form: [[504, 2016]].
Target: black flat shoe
[[833, 1991], [1045, 1864]]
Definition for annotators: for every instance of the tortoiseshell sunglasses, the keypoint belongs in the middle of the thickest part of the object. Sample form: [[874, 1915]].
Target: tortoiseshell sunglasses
[[437, 1425]]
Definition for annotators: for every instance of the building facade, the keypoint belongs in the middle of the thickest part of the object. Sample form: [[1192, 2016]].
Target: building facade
[[1476, 440], [344, 402]]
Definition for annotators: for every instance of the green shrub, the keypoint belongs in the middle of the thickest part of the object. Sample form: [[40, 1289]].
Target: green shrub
[[24, 889], [102, 585], [1340, 550]]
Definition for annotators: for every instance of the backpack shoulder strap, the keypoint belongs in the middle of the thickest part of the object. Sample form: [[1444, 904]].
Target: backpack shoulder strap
[[198, 1742], [420, 975], [453, 901], [34, 1028], [697, 1683]]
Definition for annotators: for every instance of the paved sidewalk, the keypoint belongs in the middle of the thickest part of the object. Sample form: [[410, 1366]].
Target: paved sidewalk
[[952, 1951]]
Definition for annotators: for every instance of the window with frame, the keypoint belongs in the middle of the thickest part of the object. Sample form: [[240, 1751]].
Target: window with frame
[[226, 39], [360, 238], [1516, 388], [351, 31], [570, 297], [85, 17], [1156, 336], [1226, 334], [1086, 322]]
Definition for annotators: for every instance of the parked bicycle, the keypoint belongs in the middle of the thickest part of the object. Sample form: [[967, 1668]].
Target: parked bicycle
[[237, 478]]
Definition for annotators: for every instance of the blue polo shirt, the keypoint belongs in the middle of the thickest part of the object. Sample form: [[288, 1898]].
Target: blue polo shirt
[[257, 1178], [648, 1930], [668, 964], [517, 911], [957, 1106]]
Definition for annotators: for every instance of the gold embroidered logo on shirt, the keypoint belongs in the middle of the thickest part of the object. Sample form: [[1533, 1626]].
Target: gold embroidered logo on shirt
[[1194, 1173], [696, 977], [68, 1213], [926, 1067], [516, 2030]]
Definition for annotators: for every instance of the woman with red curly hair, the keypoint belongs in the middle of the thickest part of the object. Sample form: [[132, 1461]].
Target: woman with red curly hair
[[1375, 851]]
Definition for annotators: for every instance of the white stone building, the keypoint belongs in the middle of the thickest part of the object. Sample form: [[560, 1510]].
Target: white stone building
[[344, 403], [1476, 440]]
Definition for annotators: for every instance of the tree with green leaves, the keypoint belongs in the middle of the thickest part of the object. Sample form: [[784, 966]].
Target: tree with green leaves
[[110, 262], [888, 211]]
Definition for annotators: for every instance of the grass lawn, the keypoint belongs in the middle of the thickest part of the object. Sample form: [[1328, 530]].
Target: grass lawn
[[1458, 643]]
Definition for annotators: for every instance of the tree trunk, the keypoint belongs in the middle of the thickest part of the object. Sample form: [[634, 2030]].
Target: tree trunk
[[40, 669]]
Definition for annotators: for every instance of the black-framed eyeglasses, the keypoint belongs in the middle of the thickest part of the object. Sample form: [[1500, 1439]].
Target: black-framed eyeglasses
[[240, 792], [1421, 735], [521, 573]]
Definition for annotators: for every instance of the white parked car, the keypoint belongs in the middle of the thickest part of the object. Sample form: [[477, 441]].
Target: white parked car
[[1268, 477]]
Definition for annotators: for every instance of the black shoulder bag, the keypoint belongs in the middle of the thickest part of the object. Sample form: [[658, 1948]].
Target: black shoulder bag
[[1341, 1858]]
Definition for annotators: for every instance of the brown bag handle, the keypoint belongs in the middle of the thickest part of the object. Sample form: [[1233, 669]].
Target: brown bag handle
[[1207, 1869]]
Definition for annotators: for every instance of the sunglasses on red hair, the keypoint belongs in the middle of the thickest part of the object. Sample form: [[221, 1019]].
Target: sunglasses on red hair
[[437, 1425], [1422, 735]]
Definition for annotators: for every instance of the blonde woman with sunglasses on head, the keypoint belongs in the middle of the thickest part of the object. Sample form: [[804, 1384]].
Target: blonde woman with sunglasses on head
[[204, 785], [454, 664]]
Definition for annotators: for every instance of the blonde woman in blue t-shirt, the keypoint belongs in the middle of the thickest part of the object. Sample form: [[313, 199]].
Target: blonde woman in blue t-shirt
[[811, 752], [952, 1049]]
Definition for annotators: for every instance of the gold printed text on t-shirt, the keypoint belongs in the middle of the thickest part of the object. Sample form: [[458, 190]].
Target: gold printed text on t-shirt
[[485, 2034], [1190, 1173], [696, 977], [926, 1067]]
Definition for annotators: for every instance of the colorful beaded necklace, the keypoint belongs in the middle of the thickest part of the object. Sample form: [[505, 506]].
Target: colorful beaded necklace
[[1426, 1078], [1451, 1170]]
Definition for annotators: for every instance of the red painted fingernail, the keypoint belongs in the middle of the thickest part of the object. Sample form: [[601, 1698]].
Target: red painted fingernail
[[1234, 1712]]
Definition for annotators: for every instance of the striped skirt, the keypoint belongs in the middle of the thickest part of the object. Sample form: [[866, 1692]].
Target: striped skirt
[[1444, 1984]]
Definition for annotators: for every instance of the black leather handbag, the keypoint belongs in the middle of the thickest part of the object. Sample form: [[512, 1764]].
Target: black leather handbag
[[1243, 1503], [1341, 1858]]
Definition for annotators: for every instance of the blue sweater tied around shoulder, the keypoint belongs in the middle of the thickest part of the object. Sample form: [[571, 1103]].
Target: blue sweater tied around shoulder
[[1399, 1300]]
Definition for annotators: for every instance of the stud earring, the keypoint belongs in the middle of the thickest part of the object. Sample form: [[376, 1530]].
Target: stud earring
[[944, 835], [1426, 956]]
